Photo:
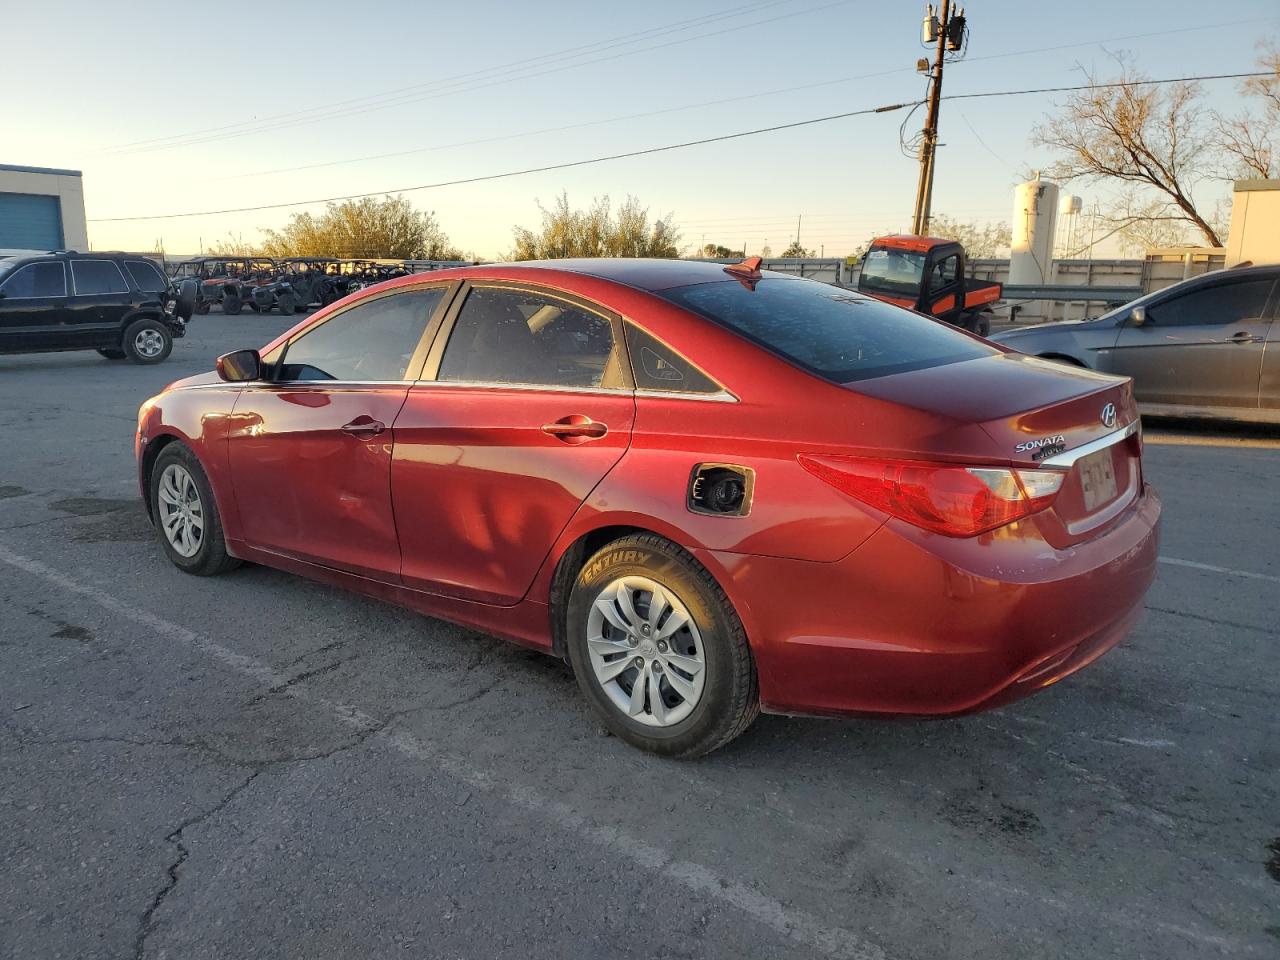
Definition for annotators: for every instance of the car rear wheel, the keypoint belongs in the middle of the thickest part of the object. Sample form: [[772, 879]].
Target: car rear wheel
[[286, 305], [111, 353], [658, 650], [231, 304], [186, 515], [147, 341]]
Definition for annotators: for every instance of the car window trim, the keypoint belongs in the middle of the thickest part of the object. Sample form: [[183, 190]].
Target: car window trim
[[75, 290], [33, 264], [431, 368], [419, 352]]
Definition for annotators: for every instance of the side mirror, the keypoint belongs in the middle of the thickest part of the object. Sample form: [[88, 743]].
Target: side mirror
[[240, 366], [1138, 316]]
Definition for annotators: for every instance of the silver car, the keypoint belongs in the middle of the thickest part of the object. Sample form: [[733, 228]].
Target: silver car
[[1205, 347]]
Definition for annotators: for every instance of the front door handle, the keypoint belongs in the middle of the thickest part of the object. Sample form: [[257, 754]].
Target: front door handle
[[576, 429], [1243, 336], [364, 426]]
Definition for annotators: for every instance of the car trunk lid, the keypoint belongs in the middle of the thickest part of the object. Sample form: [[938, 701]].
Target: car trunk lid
[[1038, 414]]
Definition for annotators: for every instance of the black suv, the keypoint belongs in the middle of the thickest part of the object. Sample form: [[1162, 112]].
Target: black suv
[[116, 303]]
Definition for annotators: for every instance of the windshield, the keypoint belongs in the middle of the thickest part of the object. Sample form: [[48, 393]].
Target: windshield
[[831, 332], [892, 271]]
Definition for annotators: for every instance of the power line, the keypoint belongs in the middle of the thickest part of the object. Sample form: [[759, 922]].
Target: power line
[[468, 87], [580, 50], [668, 147], [709, 103]]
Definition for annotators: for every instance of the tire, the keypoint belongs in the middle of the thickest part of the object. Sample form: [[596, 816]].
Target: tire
[[286, 305], [982, 325], [111, 353], [231, 305], [701, 709], [147, 341], [209, 556]]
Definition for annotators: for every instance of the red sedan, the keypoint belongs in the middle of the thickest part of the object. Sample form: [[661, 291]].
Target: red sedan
[[713, 490]]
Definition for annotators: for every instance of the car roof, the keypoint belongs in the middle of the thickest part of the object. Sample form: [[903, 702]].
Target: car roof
[[907, 241], [639, 272]]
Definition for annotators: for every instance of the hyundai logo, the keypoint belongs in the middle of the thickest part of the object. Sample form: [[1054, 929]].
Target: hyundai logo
[[1109, 415]]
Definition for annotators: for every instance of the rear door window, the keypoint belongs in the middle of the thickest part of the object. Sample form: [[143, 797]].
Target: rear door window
[[36, 280], [518, 336], [834, 333], [93, 277], [146, 276]]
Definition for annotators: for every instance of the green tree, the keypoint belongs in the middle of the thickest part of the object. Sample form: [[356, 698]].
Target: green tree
[[596, 231], [716, 251], [795, 250], [389, 228]]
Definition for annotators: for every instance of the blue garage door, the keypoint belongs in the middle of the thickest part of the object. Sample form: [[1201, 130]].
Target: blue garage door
[[29, 221]]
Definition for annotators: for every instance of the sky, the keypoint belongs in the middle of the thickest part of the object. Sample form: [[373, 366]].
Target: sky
[[164, 115]]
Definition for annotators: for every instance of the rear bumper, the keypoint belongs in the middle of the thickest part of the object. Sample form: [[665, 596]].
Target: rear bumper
[[917, 624]]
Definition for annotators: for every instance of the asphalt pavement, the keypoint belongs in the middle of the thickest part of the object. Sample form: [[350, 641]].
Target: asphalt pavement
[[256, 766]]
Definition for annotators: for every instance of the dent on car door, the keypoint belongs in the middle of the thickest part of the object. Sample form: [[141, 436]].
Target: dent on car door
[[1200, 348], [33, 305], [310, 446], [528, 405]]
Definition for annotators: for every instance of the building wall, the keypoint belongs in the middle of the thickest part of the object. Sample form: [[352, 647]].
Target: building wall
[[66, 185], [1255, 223]]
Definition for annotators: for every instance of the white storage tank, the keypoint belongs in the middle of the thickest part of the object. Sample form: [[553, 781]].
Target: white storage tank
[[1035, 213]]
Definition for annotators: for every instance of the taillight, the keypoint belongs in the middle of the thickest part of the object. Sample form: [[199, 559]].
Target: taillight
[[952, 500]]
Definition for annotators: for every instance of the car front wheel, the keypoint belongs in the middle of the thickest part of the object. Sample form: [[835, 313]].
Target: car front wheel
[[658, 650], [186, 515], [147, 341]]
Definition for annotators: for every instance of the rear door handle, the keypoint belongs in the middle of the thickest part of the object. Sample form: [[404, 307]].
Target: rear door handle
[[364, 426], [576, 429]]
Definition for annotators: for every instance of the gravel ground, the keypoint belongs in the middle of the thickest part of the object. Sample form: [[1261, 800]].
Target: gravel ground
[[258, 766]]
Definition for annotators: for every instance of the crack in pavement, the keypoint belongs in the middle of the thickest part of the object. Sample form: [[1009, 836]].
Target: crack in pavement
[[146, 923]]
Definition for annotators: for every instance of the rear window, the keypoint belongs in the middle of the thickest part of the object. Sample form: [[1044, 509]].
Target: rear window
[[146, 276], [831, 332]]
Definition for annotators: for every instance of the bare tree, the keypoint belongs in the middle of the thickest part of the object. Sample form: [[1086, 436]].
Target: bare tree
[[1250, 141], [980, 241], [1154, 137]]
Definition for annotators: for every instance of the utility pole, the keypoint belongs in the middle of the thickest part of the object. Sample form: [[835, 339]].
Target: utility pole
[[948, 29], [799, 217]]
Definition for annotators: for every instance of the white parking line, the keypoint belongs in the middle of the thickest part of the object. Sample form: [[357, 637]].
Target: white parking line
[[790, 923], [1175, 562]]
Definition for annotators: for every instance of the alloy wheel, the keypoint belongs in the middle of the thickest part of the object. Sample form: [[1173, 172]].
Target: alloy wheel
[[148, 343], [181, 512], [646, 652]]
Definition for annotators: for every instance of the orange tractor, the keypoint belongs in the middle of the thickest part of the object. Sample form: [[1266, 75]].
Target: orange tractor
[[927, 274]]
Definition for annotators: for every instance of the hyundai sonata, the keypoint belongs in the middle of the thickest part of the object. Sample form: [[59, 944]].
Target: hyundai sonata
[[713, 490]]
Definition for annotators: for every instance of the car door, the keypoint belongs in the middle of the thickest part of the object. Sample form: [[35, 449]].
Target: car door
[[98, 304], [1201, 347], [33, 303], [942, 291], [310, 446], [524, 406]]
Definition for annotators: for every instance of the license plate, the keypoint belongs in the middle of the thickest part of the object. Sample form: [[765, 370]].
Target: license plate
[[1098, 479]]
